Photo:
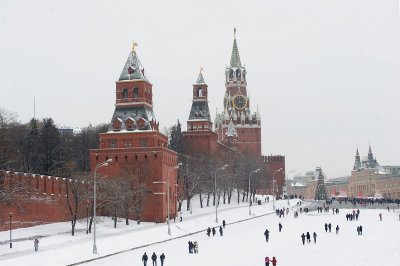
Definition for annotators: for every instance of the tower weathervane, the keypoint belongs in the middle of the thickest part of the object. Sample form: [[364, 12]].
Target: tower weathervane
[[234, 33], [133, 46], [201, 70]]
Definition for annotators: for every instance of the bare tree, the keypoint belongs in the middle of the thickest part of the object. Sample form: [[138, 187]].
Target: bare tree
[[76, 191]]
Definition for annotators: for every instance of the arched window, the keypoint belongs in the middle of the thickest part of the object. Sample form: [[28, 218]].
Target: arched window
[[199, 92], [230, 74], [135, 92], [124, 93], [238, 73]]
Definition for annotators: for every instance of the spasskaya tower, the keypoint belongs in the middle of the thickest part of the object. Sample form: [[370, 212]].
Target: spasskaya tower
[[236, 105]]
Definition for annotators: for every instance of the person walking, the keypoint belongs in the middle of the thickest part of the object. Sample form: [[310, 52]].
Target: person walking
[[360, 229], [180, 216], [315, 238], [380, 216], [223, 223], [220, 231], [303, 238], [337, 229], [274, 261], [266, 233], [144, 259], [213, 231], [162, 258], [280, 227], [330, 227], [190, 244], [154, 259], [36, 244], [308, 237], [196, 247], [326, 227], [266, 261], [208, 231]]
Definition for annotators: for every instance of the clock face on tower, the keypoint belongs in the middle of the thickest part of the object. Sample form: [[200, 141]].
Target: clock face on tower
[[239, 102]]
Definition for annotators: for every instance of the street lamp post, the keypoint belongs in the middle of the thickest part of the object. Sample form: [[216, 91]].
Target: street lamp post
[[215, 190], [94, 202], [273, 187], [252, 172], [10, 229], [176, 167], [87, 219]]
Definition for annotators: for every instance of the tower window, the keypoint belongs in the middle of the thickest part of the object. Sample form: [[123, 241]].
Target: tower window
[[112, 145], [124, 93], [199, 92], [238, 74], [135, 92]]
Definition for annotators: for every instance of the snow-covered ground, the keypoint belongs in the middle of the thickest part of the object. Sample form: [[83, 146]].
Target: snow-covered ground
[[243, 243]]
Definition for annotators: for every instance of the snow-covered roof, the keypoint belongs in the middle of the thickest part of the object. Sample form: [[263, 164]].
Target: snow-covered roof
[[133, 69]]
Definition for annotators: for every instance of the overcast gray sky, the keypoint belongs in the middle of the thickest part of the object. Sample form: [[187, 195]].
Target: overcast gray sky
[[325, 74]]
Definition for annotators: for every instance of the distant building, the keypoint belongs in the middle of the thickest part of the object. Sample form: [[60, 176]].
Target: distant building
[[368, 179]]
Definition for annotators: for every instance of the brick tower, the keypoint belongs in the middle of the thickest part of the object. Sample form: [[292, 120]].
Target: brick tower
[[199, 135], [133, 141], [237, 108]]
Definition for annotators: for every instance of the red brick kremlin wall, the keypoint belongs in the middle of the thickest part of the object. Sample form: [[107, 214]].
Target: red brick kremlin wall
[[40, 200]]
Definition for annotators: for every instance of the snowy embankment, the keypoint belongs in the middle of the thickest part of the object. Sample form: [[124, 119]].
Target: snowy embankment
[[58, 247]]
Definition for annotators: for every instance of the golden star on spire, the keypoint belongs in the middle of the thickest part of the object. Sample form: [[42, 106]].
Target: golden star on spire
[[201, 70], [234, 33]]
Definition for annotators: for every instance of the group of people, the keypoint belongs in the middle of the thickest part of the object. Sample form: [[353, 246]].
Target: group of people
[[153, 258], [273, 261], [308, 236], [193, 247], [281, 212], [213, 231], [352, 217]]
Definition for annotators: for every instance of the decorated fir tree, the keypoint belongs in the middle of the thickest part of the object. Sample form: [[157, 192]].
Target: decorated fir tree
[[320, 191]]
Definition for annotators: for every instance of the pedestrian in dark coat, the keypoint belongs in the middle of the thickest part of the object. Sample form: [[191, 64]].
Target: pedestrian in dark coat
[[337, 229], [326, 227], [190, 246], [280, 227], [360, 230], [303, 238], [36, 244], [144, 259], [273, 261], [308, 237], [330, 227], [154, 259], [208, 231], [315, 238], [223, 223], [220, 231], [213, 231], [266, 233], [162, 258]]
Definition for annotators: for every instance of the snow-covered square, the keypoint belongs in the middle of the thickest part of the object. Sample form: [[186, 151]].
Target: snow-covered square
[[243, 241]]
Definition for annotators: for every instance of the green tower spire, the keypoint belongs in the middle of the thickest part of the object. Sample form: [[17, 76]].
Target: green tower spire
[[235, 58]]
